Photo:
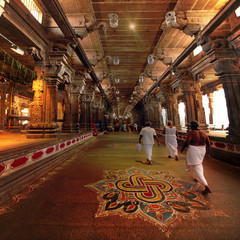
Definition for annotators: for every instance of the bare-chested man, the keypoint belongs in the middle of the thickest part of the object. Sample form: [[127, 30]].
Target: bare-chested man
[[198, 145]]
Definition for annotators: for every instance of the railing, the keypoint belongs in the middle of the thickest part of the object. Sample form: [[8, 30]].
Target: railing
[[33, 8]]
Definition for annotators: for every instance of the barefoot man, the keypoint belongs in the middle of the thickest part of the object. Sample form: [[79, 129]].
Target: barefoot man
[[198, 145], [148, 134]]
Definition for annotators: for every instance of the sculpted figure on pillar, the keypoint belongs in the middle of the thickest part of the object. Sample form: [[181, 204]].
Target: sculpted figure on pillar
[[171, 103], [186, 84]]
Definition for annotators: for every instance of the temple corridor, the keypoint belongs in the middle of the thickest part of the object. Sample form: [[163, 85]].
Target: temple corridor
[[104, 191]]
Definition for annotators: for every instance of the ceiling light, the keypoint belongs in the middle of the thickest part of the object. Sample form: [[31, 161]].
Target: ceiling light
[[171, 19], [237, 12], [113, 21], [197, 50], [141, 78], [150, 59], [132, 26], [16, 49], [117, 80], [116, 60]]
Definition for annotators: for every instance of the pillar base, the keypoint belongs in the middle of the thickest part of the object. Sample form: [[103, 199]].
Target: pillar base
[[68, 129], [203, 127], [43, 131]]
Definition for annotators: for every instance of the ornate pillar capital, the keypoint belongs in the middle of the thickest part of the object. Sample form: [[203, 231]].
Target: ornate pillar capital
[[56, 66]]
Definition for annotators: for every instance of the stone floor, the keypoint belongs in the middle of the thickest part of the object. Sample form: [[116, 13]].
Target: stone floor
[[107, 192]]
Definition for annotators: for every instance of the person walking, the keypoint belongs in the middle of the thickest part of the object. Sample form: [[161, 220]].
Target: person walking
[[171, 143], [148, 134], [198, 144]]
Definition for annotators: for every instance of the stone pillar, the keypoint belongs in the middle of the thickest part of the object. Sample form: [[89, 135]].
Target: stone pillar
[[44, 106], [160, 116], [200, 112], [37, 111], [67, 118], [86, 112], [211, 107], [75, 98], [225, 59], [171, 102], [83, 126], [51, 127], [72, 110], [186, 84], [156, 115]]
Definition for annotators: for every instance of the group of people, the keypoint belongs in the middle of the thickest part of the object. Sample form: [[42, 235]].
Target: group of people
[[197, 144], [125, 127]]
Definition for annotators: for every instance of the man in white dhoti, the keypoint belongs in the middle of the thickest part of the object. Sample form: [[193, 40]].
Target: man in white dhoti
[[148, 134], [198, 145], [171, 143]]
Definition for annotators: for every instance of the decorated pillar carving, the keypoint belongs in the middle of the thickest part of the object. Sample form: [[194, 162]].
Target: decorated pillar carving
[[160, 98], [200, 112], [37, 111], [43, 110], [86, 108], [186, 84], [211, 107], [224, 57], [43, 121], [171, 104], [71, 121]]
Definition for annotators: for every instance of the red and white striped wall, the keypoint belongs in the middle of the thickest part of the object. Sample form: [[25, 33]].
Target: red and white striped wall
[[229, 147], [11, 165]]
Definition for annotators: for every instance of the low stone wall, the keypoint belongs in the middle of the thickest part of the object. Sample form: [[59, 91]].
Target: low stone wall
[[20, 172]]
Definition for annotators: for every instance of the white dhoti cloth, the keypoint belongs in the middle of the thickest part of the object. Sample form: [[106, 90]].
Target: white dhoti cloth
[[171, 144], [148, 150], [195, 155]]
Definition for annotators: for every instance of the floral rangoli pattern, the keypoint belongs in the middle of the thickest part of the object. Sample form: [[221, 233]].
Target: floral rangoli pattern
[[154, 195]]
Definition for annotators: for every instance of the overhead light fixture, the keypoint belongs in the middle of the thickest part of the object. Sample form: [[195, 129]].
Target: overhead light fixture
[[13, 47], [117, 80], [113, 21], [188, 28], [165, 60], [16, 49], [197, 50], [132, 26], [150, 59], [116, 60], [237, 12], [171, 19], [141, 78], [117, 92]]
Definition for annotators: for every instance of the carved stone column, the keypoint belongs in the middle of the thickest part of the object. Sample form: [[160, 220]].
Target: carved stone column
[[160, 98], [224, 57], [211, 107], [83, 126], [67, 118], [200, 112], [86, 111], [186, 84], [171, 104], [43, 111], [37, 111], [51, 127], [156, 115], [146, 114], [44, 106], [71, 121]]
